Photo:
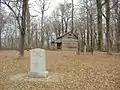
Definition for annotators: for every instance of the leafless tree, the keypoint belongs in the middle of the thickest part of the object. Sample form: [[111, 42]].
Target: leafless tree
[[2, 21], [43, 6], [99, 23], [16, 5]]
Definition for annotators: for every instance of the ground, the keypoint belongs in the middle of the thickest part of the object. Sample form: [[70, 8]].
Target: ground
[[71, 71]]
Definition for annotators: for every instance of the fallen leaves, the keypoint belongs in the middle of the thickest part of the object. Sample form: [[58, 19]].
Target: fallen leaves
[[72, 72]]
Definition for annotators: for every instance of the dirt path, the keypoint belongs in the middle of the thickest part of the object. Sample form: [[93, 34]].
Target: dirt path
[[83, 72]]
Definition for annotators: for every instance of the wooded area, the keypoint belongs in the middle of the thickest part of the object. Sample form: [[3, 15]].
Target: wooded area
[[59, 44], [95, 22]]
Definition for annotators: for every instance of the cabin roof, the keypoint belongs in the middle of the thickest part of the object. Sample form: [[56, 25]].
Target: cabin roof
[[70, 32], [66, 34]]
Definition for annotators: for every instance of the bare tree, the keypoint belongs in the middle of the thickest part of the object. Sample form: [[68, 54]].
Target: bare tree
[[66, 11], [72, 15], [28, 27], [99, 23], [67, 15], [0, 24], [56, 22], [118, 27], [44, 6], [22, 25], [62, 15], [88, 31], [117, 15], [108, 25]]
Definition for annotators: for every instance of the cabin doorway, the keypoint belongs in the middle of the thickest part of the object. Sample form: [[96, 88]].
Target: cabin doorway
[[59, 45]]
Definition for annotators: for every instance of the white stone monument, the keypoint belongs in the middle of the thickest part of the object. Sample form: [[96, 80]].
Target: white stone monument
[[37, 63]]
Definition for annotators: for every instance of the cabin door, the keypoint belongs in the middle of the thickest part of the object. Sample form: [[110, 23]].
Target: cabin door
[[59, 45]]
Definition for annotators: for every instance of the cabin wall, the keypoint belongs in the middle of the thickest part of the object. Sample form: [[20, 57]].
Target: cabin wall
[[69, 44]]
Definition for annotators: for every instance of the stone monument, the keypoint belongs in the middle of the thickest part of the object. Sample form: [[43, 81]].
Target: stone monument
[[37, 63]]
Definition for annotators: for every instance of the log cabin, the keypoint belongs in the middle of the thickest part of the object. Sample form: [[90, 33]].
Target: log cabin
[[67, 41]]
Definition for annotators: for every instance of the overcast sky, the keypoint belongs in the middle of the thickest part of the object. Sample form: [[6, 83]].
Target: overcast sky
[[53, 4]]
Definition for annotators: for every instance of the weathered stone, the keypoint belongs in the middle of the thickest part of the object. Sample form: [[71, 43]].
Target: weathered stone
[[37, 63]]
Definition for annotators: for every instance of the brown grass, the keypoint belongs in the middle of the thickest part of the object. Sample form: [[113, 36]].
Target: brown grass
[[80, 72]]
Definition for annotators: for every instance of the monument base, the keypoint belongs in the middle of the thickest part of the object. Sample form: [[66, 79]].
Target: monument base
[[43, 74]]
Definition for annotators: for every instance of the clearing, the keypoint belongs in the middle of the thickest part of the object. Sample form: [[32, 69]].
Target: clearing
[[67, 71]]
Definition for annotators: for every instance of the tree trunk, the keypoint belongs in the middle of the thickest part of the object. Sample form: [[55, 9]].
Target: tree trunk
[[42, 31], [99, 24], [88, 46], [66, 26], [28, 27], [24, 8], [78, 44], [59, 30], [87, 32], [91, 33], [108, 26], [42, 22], [84, 43], [22, 43], [94, 37], [12, 43], [36, 39], [72, 15], [48, 45], [118, 32], [48, 36], [62, 24], [0, 37], [0, 25]]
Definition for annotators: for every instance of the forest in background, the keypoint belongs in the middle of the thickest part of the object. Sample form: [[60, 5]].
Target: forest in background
[[96, 22]]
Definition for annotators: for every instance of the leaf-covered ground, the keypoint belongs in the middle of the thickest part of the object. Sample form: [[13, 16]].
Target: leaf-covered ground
[[83, 72]]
